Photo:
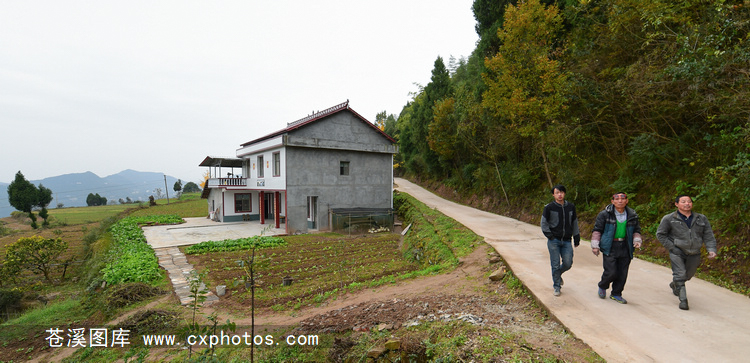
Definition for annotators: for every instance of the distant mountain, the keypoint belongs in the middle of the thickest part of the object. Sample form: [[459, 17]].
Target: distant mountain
[[72, 189]]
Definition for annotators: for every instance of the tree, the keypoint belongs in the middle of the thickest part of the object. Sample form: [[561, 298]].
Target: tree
[[177, 186], [35, 253], [191, 187], [527, 85], [95, 200], [24, 196]]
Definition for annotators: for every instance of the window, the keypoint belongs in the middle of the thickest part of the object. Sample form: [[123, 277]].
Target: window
[[242, 203], [276, 164], [260, 166], [344, 168]]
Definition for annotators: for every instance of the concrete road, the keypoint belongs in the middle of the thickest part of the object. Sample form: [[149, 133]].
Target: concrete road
[[650, 328]]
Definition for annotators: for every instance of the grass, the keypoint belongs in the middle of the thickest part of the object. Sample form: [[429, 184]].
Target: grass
[[189, 206], [85, 215]]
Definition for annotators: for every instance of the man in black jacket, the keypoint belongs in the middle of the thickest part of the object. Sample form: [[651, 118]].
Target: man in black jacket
[[560, 225]]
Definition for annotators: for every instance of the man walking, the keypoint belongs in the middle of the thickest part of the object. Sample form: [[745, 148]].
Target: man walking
[[682, 233], [617, 232], [559, 225]]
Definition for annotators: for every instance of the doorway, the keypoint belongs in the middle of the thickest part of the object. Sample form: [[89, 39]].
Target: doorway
[[268, 206], [312, 212]]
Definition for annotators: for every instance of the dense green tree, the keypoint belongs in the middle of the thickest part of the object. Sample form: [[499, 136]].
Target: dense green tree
[[177, 186], [95, 200], [22, 194], [25, 196], [191, 187]]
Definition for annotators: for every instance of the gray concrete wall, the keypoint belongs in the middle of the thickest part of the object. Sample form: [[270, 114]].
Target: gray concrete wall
[[315, 171]]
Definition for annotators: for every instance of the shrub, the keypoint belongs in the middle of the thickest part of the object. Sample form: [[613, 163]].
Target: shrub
[[133, 292]]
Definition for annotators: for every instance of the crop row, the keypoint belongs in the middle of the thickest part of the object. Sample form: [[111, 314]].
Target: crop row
[[235, 245], [131, 259]]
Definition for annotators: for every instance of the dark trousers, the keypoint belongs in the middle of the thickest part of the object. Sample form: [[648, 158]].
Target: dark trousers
[[684, 266], [616, 266]]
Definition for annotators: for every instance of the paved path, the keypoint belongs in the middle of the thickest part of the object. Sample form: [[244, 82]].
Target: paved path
[[650, 328], [165, 240]]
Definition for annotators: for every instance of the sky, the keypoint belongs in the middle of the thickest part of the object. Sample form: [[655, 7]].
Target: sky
[[157, 86]]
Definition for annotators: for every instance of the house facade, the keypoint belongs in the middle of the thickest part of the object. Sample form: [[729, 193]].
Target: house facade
[[296, 177]]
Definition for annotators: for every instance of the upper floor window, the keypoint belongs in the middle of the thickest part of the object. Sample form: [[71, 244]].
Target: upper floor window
[[344, 168], [276, 164], [260, 166]]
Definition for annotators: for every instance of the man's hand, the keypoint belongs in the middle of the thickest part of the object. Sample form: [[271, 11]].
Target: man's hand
[[712, 255], [595, 251], [637, 244]]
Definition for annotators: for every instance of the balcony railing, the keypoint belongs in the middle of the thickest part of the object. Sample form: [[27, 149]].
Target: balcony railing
[[234, 182]]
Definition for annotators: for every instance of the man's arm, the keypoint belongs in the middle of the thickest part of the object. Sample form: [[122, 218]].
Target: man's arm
[[576, 232], [662, 233], [709, 239], [545, 224], [596, 235]]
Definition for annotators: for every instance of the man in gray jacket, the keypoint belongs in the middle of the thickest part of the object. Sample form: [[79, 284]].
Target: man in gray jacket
[[683, 233]]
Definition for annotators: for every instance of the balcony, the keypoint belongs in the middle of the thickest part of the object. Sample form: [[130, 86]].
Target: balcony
[[227, 182]]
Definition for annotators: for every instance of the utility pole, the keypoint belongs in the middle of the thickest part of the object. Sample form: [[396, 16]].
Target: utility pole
[[165, 188]]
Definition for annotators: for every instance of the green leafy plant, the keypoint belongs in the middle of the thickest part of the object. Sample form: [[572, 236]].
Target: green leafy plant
[[239, 244], [132, 259]]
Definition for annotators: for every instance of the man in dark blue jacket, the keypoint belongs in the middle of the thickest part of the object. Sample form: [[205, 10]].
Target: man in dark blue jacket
[[617, 232], [560, 225]]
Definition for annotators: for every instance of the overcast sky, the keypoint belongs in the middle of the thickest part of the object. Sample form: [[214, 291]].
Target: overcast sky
[[156, 86]]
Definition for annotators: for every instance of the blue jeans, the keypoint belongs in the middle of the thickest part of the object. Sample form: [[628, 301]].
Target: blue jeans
[[559, 250]]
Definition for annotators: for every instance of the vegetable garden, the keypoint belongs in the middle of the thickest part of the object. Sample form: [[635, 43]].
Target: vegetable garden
[[319, 266]]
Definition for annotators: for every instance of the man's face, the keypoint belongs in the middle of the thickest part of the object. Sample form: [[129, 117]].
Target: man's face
[[559, 196], [620, 201], [684, 205]]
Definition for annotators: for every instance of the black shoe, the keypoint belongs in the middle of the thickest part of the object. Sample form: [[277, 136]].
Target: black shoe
[[674, 289], [684, 305]]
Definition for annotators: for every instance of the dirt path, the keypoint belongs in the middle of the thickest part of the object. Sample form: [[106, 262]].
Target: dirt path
[[468, 279], [649, 328]]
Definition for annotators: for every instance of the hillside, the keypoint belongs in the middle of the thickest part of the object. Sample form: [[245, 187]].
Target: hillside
[[72, 189], [602, 97]]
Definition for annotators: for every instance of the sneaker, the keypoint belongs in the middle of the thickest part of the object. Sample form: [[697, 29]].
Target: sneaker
[[557, 292], [619, 299], [602, 293]]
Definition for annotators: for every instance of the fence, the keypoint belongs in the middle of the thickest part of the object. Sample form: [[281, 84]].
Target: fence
[[361, 220]]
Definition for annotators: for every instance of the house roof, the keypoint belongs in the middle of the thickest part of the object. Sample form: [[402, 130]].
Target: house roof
[[319, 116], [224, 162]]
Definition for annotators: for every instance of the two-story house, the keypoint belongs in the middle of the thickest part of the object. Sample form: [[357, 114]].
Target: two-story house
[[332, 159]]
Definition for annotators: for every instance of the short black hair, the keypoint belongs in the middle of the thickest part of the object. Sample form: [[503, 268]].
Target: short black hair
[[559, 187], [677, 200]]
